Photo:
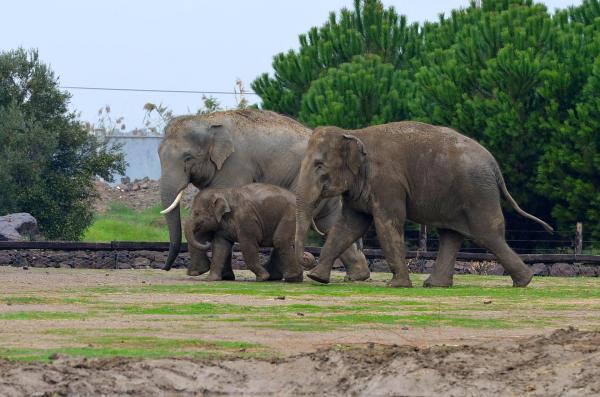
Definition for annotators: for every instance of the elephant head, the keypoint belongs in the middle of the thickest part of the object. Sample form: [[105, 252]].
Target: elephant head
[[334, 163], [207, 212], [193, 150]]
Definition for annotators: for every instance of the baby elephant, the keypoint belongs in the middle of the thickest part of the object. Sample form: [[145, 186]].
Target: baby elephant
[[255, 215]]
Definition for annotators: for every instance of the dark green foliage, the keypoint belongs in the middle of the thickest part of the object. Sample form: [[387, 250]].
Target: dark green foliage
[[508, 73], [357, 94], [47, 158], [368, 29]]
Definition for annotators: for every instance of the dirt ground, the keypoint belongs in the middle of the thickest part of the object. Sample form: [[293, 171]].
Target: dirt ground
[[564, 363], [293, 348]]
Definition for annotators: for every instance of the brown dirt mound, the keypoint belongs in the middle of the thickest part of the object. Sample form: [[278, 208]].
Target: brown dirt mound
[[564, 363]]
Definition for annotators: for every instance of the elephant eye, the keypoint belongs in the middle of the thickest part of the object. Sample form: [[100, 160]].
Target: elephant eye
[[319, 164]]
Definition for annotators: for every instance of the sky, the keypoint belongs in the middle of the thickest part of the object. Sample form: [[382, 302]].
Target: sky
[[202, 45]]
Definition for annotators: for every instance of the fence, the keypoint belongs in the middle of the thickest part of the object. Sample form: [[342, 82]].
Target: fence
[[522, 241]]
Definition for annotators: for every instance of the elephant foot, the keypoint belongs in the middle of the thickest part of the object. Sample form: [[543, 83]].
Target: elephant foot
[[275, 277], [320, 275], [397, 282], [433, 282], [196, 272], [228, 276], [362, 276], [213, 276], [522, 279], [263, 276], [298, 278]]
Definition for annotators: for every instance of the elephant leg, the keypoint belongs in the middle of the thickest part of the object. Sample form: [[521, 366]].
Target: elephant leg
[[391, 237], [441, 276], [250, 250], [520, 273], [199, 262], [357, 267], [347, 229], [221, 253], [283, 244], [227, 273], [274, 266]]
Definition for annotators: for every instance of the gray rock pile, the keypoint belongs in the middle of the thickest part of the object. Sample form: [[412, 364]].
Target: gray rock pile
[[18, 227]]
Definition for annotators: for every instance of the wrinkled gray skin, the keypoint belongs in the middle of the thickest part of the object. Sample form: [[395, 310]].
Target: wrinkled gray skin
[[236, 148], [389, 173], [255, 215]]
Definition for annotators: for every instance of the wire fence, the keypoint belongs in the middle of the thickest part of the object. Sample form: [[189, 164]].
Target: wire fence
[[522, 241]]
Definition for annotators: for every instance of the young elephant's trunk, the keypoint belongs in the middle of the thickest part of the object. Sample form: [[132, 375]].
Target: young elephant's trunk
[[191, 238]]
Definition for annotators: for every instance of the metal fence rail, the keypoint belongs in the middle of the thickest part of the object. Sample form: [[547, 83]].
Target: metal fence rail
[[369, 252]]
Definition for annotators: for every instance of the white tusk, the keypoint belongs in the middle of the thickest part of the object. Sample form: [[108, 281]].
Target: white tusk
[[175, 203], [316, 229]]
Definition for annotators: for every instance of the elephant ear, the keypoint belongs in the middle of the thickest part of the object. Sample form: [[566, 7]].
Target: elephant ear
[[221, 207], [221, 145], [354, 152]]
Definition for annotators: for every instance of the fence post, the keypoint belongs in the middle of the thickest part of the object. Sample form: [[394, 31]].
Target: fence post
[[579, 238], [423, 238]]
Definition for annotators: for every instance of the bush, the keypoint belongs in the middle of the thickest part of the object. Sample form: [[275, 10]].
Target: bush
[[48, 159]]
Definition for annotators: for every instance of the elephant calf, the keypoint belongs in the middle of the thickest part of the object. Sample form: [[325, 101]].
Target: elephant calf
[[255, 215]]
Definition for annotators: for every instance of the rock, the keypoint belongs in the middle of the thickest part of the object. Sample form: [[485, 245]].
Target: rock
[[494, 269], [587, 271], [136, 186], [18, 227], [379, 265], [6, 257], [540, 269], [562, 270], [145, 186], [126, 180]]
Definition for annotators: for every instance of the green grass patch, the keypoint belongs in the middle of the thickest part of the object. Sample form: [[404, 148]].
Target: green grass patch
[[124, 224], [42, 315], [22, 300]]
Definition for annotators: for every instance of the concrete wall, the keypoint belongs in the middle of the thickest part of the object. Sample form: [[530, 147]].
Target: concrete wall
[[141, 152]]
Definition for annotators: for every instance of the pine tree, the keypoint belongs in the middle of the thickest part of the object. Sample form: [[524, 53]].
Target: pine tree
[[368, 29]]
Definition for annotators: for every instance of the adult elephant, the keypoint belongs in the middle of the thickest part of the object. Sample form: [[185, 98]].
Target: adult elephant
[[393, 172], [236, 148]]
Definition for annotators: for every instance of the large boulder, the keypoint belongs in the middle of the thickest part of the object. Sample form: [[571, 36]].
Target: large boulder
[[18, 227]]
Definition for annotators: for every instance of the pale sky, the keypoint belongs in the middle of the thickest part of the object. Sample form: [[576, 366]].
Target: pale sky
[[174, 45]]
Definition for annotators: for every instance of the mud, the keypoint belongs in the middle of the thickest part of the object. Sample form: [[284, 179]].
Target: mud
[[563, 363]]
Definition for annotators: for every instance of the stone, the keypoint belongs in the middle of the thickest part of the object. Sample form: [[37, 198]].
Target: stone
[[587, 271], [18, 227], [562, 270], [139, 262], [6, 257], [125, 180], [136, 186], [540, 269], [494, 269], [379, 265]]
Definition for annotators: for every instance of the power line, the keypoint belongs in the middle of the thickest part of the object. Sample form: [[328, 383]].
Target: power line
[[153, 90]]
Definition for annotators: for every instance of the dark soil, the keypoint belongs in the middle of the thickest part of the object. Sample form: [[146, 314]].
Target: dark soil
[[564, 363]]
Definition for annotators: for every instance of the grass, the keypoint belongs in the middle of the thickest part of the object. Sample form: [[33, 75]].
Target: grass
[[177, 317], [121, 223]]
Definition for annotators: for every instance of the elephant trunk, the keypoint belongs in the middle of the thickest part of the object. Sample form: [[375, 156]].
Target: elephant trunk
[[304, 214], [191, 238], [169, 195]]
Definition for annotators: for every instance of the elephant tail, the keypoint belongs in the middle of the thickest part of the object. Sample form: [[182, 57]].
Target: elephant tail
[[511, 200]]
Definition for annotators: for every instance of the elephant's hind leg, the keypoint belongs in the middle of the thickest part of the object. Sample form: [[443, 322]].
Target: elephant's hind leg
[[274, 266], [443, 270], [520, 273]]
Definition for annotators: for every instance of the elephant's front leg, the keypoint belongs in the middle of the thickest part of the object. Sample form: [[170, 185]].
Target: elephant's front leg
[[349, 227], [199, 262], [357, 267], [390, 233], [250, 251], [221, 260]]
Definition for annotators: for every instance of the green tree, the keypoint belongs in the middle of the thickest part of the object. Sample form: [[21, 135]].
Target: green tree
[[357, 94], [368, 29], [48, 159]]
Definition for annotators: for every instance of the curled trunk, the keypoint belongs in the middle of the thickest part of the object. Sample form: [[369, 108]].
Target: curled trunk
[[191, 238]]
